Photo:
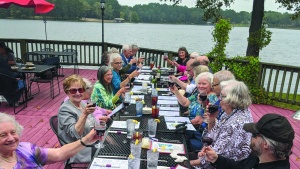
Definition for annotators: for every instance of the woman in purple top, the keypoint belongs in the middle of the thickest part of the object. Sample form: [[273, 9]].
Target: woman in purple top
[[17, 155], [183, 57]]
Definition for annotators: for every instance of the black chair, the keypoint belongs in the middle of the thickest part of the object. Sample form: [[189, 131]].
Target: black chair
[[71, 59], [9, 86], [54, 127], [46, 77], [33, 57]]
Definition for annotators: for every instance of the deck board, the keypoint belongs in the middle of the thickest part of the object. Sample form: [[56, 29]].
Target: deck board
[[35, 118]]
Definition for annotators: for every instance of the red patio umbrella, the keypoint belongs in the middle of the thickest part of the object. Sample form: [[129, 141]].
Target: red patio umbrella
[[40, 6]]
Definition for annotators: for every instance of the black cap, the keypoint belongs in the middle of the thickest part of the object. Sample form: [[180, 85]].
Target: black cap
[[273, 126]]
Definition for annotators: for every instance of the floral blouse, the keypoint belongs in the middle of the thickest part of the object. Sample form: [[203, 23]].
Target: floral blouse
[[195, 108], [30, 156], [102, 98], [230, 139]]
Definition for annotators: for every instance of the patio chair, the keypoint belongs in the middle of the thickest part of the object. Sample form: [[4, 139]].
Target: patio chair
[[71, 59], [9, 86], [54, 127], [47, 77], [33, 57]]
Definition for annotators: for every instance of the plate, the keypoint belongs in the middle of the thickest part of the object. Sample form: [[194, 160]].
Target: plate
[[14, 67], [29, 64], [28, 68]]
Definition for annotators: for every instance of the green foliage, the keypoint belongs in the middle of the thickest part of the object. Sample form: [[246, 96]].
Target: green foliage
[[221, 37], [261, 38]]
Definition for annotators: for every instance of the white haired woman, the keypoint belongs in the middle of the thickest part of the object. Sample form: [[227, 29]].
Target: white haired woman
[[16, 154], [116, 64], [229, 138]]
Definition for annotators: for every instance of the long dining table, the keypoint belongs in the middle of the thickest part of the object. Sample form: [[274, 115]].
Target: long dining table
[[117, 145]]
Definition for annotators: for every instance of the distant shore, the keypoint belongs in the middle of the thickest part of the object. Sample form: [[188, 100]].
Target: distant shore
[[95, 20]]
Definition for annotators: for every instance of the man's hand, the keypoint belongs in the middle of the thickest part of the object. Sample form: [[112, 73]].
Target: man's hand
[[132, 61], [211, 155]]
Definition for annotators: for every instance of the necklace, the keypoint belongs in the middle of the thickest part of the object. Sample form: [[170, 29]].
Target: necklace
[[80, 108], [9, 161]]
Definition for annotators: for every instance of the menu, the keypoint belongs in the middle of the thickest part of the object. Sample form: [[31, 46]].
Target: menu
[[167, 147], [104, 163], [122, 125]]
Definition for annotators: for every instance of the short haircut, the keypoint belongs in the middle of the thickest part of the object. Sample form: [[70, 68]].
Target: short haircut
[[200, 69], [105, 57], [9, 118], [89, 85], [71, 80], [100, 76], [134, 46], [112, 57], [195, 64], [205, 75], [278, 149], [224, 75], [125, 47], [237, 95], [195, 54], [114, 50]]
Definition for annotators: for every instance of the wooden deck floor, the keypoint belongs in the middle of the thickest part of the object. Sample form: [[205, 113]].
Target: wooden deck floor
[[35, 118]]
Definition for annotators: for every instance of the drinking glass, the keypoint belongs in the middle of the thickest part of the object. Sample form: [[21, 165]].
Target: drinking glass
[[151, 64], [152, 159], [139, 108], [100, 128], [207, 141], [155, 112], [126, 101], [144, 87], [203, 99], [134, 163], [136, 149], [152, 125], [154, 99], [165, 56], [130, 127]]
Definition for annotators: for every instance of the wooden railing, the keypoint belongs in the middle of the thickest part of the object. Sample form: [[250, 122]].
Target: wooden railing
[[279, 81]]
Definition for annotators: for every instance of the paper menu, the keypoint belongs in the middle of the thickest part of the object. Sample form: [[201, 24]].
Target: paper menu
[[162, 89], [101, 163], [172, 126], [117, 109], [169, 108], [122, 125], [167, 147], [170, 102], [168, 113], [167, 98], [177, 119], [141, 81]]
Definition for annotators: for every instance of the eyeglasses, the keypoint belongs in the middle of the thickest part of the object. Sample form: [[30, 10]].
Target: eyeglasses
[[118, 63], [222, 97], [214, 85], [74, 91]]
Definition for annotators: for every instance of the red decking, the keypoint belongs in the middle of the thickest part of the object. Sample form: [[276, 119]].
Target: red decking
[[35, 118]]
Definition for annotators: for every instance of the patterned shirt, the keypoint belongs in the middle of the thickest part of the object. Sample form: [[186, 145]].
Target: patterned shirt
[[195, 108], [102, 98], [230, 139], [30, 156]]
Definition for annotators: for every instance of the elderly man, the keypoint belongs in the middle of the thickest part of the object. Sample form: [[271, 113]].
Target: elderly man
[[271, 142], [127, 58], [134, 49], [204, 61]]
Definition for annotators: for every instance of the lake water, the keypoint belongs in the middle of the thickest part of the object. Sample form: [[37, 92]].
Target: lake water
[[283, 49]]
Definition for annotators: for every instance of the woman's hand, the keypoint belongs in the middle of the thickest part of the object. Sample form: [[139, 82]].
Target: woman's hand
[[90, 138], [107, 112], [122, 90], [173, 78], [211, 155], [176, 64], [134, 74], [173, 89], [89, 109]]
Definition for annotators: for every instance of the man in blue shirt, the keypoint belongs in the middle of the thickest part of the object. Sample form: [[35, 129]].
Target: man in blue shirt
[[128, 58]]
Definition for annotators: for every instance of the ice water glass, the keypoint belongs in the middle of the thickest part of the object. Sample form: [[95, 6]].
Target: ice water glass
[[139, 108], [152, 159], [130, 127], [144, 87], [134, 163], [152, 125], [136, 149]]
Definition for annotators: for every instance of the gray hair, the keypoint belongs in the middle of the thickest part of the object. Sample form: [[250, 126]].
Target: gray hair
[[224, 75], [8, 118], [205, 75], [279, 150], [237, 95], [195, 54], [125, 47], [89, 85], [200, 69], [114, 50], [112, 57], [134, 46]]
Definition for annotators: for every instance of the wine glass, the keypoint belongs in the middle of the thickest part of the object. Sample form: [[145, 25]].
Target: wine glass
[[100, 128], [126, 101], [203, 99], [207, 141]]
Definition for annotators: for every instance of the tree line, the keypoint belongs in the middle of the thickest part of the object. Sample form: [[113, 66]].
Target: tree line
[[150, 13]]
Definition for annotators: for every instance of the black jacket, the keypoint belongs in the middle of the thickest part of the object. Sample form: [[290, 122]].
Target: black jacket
[[252, 162]]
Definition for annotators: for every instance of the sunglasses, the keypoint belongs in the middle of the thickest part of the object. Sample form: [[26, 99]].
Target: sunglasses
[[74, 91]]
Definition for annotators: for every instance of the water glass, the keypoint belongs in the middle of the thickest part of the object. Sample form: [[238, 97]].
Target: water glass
[[152, 125], [130, 127], [134, 163], [136, 149], [144, 87], [152, 159], [139, 108]]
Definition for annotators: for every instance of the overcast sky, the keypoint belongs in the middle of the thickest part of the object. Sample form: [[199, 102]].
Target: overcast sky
[[239, 5]]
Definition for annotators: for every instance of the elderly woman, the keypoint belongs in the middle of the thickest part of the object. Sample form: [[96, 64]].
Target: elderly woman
[[183, 57], [102, 94], [196, 109], [7, 54], [16, 154], [229, 138], [75, 118], [116, 65]]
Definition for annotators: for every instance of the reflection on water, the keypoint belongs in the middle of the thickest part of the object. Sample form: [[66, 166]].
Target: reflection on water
[[156, 36]]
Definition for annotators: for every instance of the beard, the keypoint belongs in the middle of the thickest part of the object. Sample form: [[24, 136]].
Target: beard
[[255, 147]]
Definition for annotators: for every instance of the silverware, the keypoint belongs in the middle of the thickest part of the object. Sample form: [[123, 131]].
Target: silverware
[[124, 157]]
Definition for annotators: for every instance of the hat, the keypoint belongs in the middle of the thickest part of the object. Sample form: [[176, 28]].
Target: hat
[[273, 126]]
